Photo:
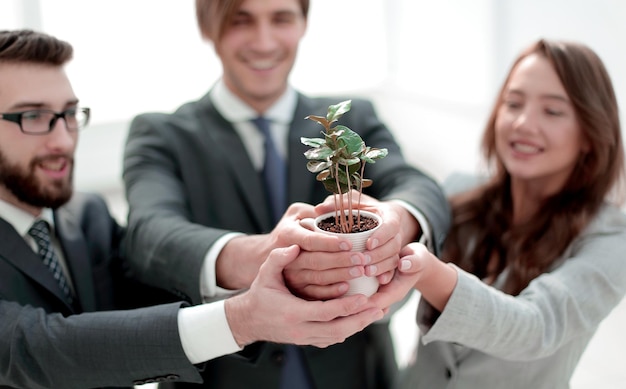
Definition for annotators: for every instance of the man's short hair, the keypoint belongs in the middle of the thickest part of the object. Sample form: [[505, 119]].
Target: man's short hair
[[213, 15], [33, 47]]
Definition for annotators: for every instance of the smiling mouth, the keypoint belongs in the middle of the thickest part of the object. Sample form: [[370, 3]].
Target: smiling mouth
[[263, 64], [54, 164], [525, 148]]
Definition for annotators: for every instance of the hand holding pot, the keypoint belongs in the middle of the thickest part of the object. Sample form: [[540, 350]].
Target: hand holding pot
[[382, 249], [268, 311]]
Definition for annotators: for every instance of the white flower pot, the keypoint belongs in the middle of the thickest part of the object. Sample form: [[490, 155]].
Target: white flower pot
[[363, 285]]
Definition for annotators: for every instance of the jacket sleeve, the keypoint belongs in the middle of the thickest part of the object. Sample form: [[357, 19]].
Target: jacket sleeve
[[556, 307], [116, 348], [165, 247]]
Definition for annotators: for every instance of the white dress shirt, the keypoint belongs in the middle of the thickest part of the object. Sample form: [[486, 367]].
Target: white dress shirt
[[240, 115]]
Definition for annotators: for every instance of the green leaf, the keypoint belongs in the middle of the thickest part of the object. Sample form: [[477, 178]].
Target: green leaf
[[343, 178], [313, 142], [372, 153], [331, 185], [354, 169], [337, 110], [350, 140], [349, 161], [320, 153], [337, 131], [317, 166]]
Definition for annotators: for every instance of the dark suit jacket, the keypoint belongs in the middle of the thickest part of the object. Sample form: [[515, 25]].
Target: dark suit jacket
[[189, 170], [46, 343]]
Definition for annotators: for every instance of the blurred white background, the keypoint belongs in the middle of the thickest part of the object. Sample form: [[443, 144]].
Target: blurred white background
[[431, 67]]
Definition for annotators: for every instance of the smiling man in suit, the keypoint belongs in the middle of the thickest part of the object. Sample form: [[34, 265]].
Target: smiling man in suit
[[201, 212], [65, 296]]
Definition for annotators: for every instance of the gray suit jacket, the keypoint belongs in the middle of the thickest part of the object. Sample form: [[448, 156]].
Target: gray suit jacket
[[189, 170], [487, 339], [46, 343]]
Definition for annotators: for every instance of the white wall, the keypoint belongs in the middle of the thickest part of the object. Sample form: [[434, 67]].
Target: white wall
[[432, 67]]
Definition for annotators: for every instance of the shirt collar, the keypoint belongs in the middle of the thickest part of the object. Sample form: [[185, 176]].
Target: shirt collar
[[237, 111], [22, 220]]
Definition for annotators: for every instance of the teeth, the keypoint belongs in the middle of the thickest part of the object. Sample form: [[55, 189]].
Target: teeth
[[525, 148], [55, 165], [262, 65]]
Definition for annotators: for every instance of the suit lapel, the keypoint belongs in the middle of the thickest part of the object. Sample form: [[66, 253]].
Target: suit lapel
[[77, 257], [220, 137], [16, 251]]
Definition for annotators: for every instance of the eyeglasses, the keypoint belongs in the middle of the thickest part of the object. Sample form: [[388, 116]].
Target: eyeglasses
[[42, 121]]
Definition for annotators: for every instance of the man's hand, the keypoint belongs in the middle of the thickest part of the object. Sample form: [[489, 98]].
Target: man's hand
[[398, 229], [319, 272], [269, 312], [325, 262]]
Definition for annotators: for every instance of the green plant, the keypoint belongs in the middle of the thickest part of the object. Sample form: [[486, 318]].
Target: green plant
[[339, 160]]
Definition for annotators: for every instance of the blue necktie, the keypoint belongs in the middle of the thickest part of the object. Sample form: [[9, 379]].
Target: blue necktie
[[40, 232], [274, 171], [294, 373]]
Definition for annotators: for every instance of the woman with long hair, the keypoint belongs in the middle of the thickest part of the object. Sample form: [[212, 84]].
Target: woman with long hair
[[536, 255]]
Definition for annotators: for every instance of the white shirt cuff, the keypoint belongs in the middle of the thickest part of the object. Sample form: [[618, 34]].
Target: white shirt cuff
[[205, 333]]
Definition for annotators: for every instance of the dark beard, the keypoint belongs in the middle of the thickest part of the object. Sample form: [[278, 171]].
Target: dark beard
[[26, 187]]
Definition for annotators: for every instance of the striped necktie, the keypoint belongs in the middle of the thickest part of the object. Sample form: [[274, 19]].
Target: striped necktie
[[40, 231]]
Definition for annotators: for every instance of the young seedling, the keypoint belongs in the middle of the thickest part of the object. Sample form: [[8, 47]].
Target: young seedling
[[339, 161]]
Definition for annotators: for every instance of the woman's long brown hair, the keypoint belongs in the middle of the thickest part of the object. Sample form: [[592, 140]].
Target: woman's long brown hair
[[482, 226]]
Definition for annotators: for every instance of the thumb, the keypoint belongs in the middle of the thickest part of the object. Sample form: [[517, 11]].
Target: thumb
[[278, 259], [308, 223]]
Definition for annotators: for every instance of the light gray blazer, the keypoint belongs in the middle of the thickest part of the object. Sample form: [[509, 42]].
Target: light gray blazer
[[487, 339]]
